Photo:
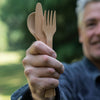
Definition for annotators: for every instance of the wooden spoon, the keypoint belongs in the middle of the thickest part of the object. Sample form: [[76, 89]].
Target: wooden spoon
[[31, 24], [34, 23]]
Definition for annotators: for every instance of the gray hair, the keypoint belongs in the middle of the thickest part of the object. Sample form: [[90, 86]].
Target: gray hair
[[80, 8]]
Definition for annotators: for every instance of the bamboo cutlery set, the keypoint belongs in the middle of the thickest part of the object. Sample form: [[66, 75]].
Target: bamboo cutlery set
[[43, 27]]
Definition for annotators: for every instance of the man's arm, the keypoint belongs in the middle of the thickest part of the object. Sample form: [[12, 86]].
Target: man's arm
[[64, 91]]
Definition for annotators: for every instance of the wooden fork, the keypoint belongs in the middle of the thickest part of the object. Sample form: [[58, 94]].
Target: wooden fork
[[49, 28]]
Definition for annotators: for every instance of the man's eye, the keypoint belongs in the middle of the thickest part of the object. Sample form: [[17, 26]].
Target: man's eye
[[90, 24]]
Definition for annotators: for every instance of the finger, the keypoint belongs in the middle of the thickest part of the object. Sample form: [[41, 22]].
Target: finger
[[42, 84], [39, 47], [44, 61], [41, 72], [39, 85]]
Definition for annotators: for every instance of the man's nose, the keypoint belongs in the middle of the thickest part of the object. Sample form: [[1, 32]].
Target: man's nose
[[97, 31]]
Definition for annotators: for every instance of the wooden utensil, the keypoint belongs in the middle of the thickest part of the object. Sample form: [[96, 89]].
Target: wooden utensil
[[38, 23], [31, 24], [49, 28]]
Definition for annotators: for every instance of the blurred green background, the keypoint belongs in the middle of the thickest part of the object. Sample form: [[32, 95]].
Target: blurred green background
[[15, 38]]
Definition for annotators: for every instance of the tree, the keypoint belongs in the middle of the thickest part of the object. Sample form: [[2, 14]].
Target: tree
[[66, 38]]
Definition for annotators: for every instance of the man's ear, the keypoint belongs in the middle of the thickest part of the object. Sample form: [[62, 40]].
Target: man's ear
[[80, 35]]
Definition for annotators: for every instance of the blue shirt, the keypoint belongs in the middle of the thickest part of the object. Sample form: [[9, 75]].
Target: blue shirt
[[80, 81]]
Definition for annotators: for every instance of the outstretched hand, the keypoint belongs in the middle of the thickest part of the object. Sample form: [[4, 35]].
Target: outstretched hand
[[41, 69]]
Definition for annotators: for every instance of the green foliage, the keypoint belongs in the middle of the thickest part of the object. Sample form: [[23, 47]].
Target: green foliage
[[11, 73], [15, 12], [12, 77]]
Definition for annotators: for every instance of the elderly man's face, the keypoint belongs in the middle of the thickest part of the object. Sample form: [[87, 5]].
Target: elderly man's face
[[89, 31]]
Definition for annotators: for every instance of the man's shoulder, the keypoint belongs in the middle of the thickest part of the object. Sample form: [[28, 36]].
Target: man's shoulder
[[75, 73], [75, 69], [74, 66]]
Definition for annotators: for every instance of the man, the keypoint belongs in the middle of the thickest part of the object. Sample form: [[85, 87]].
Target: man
[[80, 80]]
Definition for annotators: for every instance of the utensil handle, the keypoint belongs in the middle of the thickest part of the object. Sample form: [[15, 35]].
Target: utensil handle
[[50, 93], [49, 40]]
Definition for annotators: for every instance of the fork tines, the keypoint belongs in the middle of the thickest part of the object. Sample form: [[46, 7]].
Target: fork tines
[[50, 17]]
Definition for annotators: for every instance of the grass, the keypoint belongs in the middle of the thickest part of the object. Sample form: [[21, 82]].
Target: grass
[[2, 97], [11, 73]]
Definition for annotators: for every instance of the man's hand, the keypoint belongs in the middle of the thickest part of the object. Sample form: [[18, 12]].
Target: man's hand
[[42, 69]]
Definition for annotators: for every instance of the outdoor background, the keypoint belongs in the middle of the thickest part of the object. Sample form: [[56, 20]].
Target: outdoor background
[[15, 38]]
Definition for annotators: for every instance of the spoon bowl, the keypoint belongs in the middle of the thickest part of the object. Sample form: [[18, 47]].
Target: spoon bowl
[[31, 24]]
